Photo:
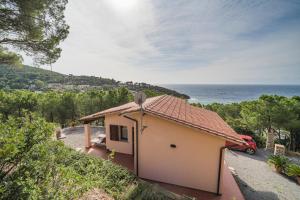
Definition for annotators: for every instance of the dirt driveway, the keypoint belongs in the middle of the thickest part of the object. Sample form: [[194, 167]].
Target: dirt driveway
[[256, 179]]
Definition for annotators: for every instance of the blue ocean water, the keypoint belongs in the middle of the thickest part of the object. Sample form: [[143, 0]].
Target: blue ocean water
[[206, 94]]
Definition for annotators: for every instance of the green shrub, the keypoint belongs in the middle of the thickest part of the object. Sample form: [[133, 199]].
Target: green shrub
[[293, 170], [144, 190], [280, 162], [33, 166], [260, 140]]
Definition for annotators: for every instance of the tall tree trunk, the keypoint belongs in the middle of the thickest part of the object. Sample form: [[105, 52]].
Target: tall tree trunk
[[279, 136], [51, 117], [290, 141]]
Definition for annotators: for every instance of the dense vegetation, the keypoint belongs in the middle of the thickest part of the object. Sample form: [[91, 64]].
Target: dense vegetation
[[64, 108], [284, 165], [260, 117], [256, 118], [34, 166], [38, 79], [35, 27]]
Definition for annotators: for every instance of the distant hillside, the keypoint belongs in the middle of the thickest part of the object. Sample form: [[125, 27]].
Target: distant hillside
[[34, 78]]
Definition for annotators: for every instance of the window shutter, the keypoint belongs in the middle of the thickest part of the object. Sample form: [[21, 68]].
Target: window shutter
[[114, 133]]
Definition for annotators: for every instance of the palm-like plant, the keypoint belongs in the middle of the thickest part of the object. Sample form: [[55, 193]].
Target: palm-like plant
[[294, 170], [279, 162]]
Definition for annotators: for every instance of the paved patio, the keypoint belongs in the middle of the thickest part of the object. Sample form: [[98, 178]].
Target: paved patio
[[75, 139], [124, 160]]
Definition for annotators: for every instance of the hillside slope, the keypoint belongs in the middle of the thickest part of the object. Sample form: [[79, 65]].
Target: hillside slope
[[34, 78]]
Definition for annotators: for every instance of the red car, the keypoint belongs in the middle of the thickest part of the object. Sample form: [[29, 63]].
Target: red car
[[249, 147]]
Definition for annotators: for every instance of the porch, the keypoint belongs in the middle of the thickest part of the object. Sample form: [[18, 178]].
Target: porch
[[76, 137]]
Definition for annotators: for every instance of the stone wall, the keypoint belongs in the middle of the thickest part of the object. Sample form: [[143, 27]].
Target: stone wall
[[270, 140]]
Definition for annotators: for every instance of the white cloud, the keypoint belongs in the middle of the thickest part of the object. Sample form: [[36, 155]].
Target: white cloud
[[183, 41]]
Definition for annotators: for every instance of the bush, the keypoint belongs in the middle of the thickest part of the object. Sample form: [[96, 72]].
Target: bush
[[293, 170], [33, 166], [279, 162], [260, 140], [145, 190]]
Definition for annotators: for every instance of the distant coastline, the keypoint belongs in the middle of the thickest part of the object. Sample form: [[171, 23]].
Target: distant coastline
[[230, 93]]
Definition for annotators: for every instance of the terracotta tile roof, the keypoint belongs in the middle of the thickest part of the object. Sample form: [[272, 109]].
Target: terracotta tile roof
[[178, 110], [125, 107]]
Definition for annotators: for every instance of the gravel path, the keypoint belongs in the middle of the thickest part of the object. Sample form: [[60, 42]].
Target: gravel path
[[75, 135], [257, 180]]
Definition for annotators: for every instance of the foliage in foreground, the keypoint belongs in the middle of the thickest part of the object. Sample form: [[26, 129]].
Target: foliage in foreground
[[36, 27], [285, 166], [293, 170], [34, 166], [143, 190], [278, 161]]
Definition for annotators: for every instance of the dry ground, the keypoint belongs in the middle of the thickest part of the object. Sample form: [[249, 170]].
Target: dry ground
[[256, 179]]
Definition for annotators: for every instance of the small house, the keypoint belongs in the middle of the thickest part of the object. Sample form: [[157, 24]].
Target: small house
[[170, 141]]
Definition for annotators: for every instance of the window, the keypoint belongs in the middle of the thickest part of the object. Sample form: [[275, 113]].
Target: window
[[114, 132], [118, 133], [124, 133]]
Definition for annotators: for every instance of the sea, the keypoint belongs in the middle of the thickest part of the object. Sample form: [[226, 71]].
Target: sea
[[206, 94]]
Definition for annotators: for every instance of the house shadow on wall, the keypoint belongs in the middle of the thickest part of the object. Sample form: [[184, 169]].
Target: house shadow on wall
[[251, 194]]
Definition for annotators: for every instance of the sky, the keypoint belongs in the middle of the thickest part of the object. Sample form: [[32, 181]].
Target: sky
[[194, 41]]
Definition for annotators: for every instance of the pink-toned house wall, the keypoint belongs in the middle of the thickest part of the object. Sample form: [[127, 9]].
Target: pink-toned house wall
[[194, 163], [118, 146]]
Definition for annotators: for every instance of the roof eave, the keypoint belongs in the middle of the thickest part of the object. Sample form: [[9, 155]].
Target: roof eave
[[95, 117]]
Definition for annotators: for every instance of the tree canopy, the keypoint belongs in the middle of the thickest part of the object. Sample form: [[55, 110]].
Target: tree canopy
[[35, 27], [258, 117]]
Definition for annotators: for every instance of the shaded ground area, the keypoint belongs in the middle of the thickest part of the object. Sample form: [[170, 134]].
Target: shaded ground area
[[258, 181], [122, 159], [75, 137]]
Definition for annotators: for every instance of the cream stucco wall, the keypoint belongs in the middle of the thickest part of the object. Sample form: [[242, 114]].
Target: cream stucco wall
[[118, 146], [194, 163]]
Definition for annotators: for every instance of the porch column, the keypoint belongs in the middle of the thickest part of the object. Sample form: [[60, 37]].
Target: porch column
[[87, 135]]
